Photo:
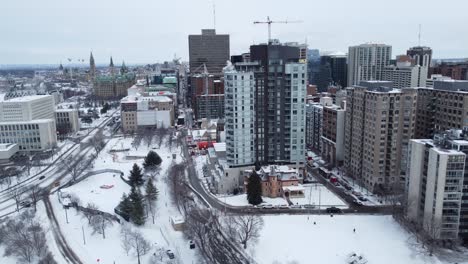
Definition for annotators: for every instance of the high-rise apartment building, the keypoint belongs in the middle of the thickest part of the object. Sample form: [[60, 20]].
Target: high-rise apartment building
[[379, 123], [405, 74], [434, 187], [366, 62], [210, 49], [239, 117], [280, 92], [441, 108], [333, 134], [314, 118]]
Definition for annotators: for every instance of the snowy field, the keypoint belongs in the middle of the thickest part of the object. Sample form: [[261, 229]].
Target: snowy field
[[314, 194], [295, 239], [161, 234]]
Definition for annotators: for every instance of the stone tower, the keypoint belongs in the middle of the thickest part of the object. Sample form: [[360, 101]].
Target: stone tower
[[92, 67]]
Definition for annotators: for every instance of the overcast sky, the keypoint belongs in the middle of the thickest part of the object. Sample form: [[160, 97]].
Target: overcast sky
[[141, 31]]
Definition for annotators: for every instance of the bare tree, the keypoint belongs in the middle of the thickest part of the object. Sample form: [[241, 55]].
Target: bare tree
[[99, 223], [97, 141], [179, 189], [34, 195], [75, 167], [244, 228], [17, 194], [90, 212], [137, 139], [147, 136], [133, 241]]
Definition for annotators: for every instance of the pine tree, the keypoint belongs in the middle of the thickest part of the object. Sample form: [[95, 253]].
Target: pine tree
[[254, 189], [125, 205], [138, 211], [151, 191], [136, 177], [152, 160]]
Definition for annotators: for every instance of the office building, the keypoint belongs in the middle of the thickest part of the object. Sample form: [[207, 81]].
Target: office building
[[405, 74], [210, 106], [421, 55], [239, 117], [28, 121], [333, 71], [333, 134], [210, 49], [434, 187], [143, 111], [366, 62], [67, 119], [379, 124]]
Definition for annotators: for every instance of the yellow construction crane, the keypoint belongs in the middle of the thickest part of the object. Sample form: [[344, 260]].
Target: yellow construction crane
[[269, 22]]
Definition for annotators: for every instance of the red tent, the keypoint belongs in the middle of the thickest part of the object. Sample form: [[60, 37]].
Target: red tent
[[204, 144]]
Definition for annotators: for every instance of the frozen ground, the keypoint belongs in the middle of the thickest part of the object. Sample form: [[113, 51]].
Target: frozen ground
[[314, 194], [160, 234], [295, 239]]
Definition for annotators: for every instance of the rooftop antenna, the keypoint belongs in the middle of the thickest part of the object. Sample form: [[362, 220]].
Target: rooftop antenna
[[214, 14], [419, 36]]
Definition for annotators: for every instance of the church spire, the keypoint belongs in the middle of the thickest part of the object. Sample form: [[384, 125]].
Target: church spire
[[111, 65], [92, 67], [123, 69]]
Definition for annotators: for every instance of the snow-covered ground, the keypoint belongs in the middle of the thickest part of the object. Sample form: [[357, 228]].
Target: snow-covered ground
[[316, 194], [160, 234], [295, 239]]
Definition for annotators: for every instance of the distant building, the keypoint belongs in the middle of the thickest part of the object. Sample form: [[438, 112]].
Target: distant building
[[210, 49], [454, 70], [366, 62], [333, 71], [379, 123], [405, 74], [67, 119], [278, 181], [7, 151], [28, 121], [138, 111], [113, 86], [435, 77], [314, 125], [422, 56], [210, 106], [434, 187], [333, 134]]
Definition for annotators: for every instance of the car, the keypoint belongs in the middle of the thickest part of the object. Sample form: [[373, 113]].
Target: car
[[192, 244], [267, 206], [170, 254], [42, 177], [283, 206], [333, 210], [295, 206], [357, 202], [362, 198], [309, 206], [25, 204]]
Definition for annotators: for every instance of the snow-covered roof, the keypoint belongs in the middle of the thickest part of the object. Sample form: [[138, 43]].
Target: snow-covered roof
[[293, 188], [219, 147], [23, 98]]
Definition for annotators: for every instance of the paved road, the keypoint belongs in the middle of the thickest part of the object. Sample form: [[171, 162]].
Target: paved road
[[195, 182]]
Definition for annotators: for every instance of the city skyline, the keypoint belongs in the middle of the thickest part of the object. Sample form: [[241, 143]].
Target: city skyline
[[153, 32]]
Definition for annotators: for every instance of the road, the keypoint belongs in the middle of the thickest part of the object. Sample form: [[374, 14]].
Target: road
[[217, 204]]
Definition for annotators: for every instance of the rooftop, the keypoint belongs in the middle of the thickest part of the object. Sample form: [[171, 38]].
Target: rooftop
[[23, 98]]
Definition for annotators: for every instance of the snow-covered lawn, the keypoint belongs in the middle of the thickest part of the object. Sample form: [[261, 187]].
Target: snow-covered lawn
[[314, 194], [161, 234], [288, 238]]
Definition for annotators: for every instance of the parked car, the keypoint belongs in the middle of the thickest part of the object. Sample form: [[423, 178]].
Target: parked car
[[347, 187], [295, 206], [283, 206], [267, 206], [362, 198], [192, 244], [170, 254], [309, 206], [357, 202], [42, 177], [333, 210], [25, 204]]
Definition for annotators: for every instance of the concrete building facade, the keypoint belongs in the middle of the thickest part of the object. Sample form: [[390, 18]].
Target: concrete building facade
[[210, 49], [379, 123], [405, 74], [333, 134], [366, 62], [434, 188]]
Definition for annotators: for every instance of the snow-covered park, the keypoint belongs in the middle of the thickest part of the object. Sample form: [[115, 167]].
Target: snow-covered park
[[287, 239]]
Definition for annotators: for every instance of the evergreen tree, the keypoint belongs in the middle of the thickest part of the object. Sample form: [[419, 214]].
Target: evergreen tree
[[151, 191], [152, 160], [254, 189], [136, 177], [126, 205], [138, 212]]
